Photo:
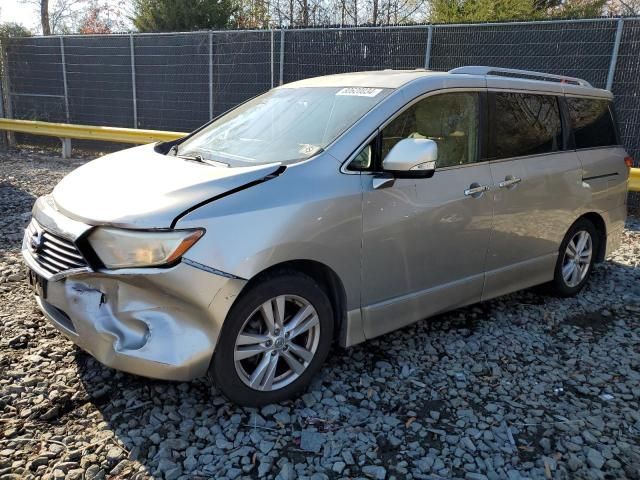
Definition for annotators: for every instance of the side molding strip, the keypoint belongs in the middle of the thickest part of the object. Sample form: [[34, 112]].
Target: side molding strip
[[595, 177]]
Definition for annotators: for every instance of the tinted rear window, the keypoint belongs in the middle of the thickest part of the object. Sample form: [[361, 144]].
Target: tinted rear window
[[526, 124], [592, 122]]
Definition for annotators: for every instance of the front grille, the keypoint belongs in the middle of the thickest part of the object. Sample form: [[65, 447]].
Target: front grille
[[53, 253]]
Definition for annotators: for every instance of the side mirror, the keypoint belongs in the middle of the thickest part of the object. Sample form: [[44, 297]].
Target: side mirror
[[412, 158]]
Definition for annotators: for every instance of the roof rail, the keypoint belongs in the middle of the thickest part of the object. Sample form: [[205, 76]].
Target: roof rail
[[512, 72]]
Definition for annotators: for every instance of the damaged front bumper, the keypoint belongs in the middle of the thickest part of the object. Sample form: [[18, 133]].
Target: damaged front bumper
[[155, 322]]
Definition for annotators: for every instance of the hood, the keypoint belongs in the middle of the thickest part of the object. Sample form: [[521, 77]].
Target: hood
[[140, 188]]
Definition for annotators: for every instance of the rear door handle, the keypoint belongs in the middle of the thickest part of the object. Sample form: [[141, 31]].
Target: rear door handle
[[475, 190], [509, 181]]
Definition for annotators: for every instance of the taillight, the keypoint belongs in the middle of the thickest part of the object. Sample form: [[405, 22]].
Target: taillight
[[628, 161]]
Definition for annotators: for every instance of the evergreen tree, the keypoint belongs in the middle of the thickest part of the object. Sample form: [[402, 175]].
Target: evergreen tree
[[460, 11], [10, 29], [181, 15]]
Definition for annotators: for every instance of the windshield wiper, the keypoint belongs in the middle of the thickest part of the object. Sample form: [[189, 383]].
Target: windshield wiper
[[193, 158], [201, 159], [196, 158]]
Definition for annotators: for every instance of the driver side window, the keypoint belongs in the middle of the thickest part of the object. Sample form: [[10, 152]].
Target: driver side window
[[449, 119]]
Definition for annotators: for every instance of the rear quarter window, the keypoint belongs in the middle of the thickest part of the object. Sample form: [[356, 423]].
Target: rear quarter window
[[592, 122]]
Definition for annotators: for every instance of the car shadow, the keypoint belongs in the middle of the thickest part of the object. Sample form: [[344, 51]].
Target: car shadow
[[165, 429]]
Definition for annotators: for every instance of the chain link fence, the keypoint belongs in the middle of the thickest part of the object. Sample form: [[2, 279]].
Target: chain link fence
[[579, 49], [178, 81]]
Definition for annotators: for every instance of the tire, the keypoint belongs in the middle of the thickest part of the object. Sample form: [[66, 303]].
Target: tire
[[255, 380], [568, 287]]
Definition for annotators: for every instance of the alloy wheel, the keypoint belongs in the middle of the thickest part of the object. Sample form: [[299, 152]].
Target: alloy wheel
[[577, 258], [277, 343]]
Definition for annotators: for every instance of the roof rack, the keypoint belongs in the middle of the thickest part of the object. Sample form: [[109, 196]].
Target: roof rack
[[528, 74]]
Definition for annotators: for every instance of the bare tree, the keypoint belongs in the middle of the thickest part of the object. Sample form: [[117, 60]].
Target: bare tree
[[43, 8], [101, 16], [304, 12], [624, 7], [253, 13], [57, 16], [349, 12], [374, 13], [44, 17], [64, 13]]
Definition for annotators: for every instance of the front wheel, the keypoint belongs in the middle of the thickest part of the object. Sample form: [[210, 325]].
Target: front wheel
[[273, 341], [576, 258]]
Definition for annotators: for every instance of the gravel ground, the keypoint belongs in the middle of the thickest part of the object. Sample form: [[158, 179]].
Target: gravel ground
[[525, 386]]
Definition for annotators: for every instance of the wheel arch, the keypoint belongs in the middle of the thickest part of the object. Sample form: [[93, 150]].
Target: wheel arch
[[324, 275], [601, 227]]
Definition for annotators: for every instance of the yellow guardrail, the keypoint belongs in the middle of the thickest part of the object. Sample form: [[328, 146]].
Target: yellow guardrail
[[634, 180], [66, 131], [88, 132]]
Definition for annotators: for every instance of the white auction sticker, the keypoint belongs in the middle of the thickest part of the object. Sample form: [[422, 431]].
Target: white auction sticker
[[359, 92]]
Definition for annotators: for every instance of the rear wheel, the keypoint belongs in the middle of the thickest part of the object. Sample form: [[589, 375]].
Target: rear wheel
[[576, 258], [273, 341]]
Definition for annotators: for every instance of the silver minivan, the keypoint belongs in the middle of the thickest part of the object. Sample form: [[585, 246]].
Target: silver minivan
[[333, 209]]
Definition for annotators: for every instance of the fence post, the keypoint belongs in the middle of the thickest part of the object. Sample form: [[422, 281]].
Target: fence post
[[281, 56], [133, 82], [3, 138], [272, 66], [5, 94], [64, 80], [614, 54], [210, 75], [427, 53]]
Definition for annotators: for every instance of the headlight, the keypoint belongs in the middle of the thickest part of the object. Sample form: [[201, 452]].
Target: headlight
[[119, 248]]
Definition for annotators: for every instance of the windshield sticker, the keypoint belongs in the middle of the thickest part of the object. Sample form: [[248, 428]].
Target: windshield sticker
[[308, 149], [359, 92]]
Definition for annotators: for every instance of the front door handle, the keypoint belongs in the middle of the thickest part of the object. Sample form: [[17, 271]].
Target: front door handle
[[509, 182], [475, 190]]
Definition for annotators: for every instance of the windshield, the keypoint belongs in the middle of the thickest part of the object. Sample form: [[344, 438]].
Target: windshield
[[283, 125]]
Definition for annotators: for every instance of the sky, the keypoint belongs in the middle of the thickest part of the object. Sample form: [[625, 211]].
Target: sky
[[15, 11]]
